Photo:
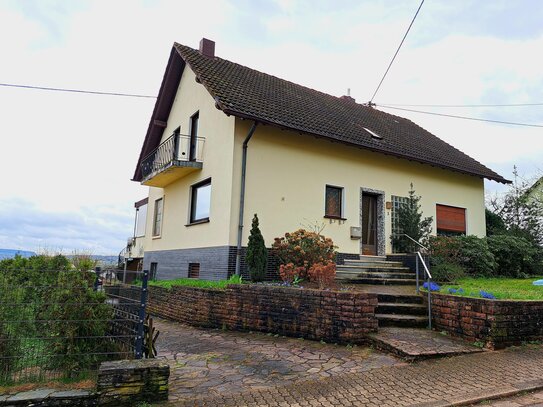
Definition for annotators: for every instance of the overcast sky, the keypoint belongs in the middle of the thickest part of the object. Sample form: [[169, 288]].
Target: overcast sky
[[66, 159]]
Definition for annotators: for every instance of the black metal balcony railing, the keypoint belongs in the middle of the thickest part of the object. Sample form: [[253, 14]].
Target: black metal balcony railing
[[177, 150]]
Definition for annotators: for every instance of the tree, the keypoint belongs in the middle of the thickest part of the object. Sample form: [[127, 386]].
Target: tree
[[494, 223], [257, 254], [411, 223], [522, 215]]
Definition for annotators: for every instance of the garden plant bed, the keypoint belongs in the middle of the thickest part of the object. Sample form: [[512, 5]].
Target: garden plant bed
[[501, 288]]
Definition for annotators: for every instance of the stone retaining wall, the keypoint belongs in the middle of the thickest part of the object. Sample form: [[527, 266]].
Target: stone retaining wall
[[496, 323], [332, 316]]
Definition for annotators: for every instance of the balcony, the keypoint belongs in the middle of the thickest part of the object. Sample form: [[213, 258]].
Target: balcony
[[174, 158]]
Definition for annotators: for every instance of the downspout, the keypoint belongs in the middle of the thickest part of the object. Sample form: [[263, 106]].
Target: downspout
[[242, 195]]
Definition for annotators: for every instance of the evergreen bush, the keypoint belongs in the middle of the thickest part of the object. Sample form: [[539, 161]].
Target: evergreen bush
[[257, 254]]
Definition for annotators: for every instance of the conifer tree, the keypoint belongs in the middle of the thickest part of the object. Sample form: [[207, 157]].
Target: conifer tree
[[257, 254], [412, 223]]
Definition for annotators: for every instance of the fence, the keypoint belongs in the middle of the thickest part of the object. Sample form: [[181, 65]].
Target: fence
[[58, 324]]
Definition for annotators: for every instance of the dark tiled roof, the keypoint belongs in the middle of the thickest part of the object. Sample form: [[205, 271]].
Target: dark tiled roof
[[248, 93]]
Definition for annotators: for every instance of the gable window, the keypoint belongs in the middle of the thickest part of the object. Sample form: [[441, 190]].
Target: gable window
[[333, 207], [451, 221], [200, 201], [157, 219], [194, 123]]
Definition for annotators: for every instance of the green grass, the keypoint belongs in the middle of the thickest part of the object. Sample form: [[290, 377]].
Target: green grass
[[192, 282], [502, 288]]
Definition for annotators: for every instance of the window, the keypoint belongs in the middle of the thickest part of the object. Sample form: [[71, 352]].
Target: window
[[194, 121], [333, 202], [450, 220], [194, 270], [157, 220], [397, 202], [200, 202]]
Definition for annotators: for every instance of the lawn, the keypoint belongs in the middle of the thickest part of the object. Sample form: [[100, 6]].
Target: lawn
[[501, 288], [193, 282]]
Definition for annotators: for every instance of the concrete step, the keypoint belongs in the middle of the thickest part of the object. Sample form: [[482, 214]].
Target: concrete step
[[400, 299], [380, 281], [401, 309], [411, 321], [374, 267], [372, 274], [373, 258], [383, 264]]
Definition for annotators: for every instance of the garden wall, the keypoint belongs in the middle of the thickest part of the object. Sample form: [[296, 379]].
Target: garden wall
[[496, 323], [333, 316]]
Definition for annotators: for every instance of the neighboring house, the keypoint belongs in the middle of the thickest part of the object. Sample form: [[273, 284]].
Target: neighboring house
[[307, 158], [535, 192], [133, 253]]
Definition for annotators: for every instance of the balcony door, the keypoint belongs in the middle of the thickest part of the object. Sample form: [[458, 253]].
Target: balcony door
[[369, 225], [194, 123]]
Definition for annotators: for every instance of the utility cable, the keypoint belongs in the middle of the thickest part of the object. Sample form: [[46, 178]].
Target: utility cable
[[449, 106], [10, 85], [396, 53], [463, 117]]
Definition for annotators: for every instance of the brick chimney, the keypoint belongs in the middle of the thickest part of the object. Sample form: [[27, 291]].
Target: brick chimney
[[207, 47]]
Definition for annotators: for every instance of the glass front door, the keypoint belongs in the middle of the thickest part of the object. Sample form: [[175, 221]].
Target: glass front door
[[369, 225]]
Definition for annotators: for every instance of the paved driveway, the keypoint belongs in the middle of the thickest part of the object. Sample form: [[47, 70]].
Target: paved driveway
[[215, 362]]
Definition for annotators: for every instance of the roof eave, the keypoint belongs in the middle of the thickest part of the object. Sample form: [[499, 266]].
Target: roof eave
[[324, 136]]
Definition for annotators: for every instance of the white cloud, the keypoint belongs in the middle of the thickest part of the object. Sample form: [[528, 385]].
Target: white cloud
[[74, 154]]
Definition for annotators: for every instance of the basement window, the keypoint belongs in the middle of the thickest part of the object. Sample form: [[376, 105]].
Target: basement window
[[194, 270], [373, 134]]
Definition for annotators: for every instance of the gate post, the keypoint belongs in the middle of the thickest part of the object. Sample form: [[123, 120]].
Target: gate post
[[141, 315]]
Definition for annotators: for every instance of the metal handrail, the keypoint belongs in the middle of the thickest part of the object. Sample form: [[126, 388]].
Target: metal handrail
[[413, 240], [419, 257]]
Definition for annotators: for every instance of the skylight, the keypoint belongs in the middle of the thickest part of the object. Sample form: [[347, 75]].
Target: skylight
[[373, 134]]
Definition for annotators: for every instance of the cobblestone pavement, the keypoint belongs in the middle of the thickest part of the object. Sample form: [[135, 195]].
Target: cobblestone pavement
[[417, 344], [215, 362], [534, 399]]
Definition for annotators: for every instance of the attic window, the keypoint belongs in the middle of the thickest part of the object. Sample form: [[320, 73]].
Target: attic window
[[373, 134]]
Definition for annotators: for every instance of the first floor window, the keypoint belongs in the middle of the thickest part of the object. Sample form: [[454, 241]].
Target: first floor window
[[333, 202], [451, 221], [157, 220], [200, 201], [397, 203]]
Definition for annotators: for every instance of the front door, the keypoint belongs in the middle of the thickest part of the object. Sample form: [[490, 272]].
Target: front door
[[369, 225]]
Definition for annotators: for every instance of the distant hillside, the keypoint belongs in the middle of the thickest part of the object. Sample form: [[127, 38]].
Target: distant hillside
[[10, 253]]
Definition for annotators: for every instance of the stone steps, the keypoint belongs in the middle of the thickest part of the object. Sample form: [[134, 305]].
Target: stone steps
[[399, 298], [381, 281], [352, 274], [395, 308], [396, 320], [377, 264]]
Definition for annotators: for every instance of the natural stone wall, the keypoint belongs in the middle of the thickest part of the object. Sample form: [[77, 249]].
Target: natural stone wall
[[125, 382], [333, 316], [496, 323]]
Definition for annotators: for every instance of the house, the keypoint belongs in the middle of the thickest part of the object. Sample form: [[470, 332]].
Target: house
[[535, 192], [131, 257], [225, 142]]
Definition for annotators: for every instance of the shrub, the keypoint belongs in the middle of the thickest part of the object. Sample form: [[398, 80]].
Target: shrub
[[433, 286], [323, 274], [515, 255], [471, 253], [303, 249], [447, 272], [257, 255], [290, 273], [476, 257]]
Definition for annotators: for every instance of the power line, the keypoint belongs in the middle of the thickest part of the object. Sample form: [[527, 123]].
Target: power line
[[488, 105], [396, 53], [463, 117], [11, 85]]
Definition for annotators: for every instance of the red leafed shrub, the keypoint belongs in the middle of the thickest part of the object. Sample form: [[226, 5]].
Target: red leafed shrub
[[323, 274], [289, 273], [303, 249]]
